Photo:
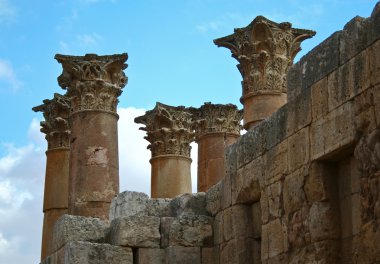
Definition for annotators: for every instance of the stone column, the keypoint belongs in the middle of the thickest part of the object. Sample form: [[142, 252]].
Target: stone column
[[265, 50], [216, 126], [169, 133], [93, 84], [56, 127]]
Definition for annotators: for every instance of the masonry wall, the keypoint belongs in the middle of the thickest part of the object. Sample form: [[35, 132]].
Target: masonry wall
[[301, 186]]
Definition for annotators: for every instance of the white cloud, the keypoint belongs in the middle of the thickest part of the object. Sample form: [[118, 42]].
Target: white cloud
[[209, 26], [7, 11], [89, 40], [8, 76]]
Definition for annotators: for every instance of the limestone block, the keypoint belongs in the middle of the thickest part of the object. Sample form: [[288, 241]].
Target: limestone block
[[365, 250], [294, 81], [298, 233], [264, 204], [159, 207], [210, 255], [319, 182], [334, 133], [230, 173], [276, 163], [293, 194], [213, 196], [129, 203], [275, 200], [277, 125], [57, 257], [350, 209], [166, 223], [374, 63], [183, 255], [364, 109], [376, 93], [298, 149], [194, 204], [136, 231], [218, 228], [320, 61], [150, 256], [237, 222], [299, 112], [237, 251], [92, 253], [319, 99], [248, 180], [191, 231], [274, 239], [78, 228], [323, 222]]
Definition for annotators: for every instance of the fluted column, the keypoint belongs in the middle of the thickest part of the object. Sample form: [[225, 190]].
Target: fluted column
[[265, 50], [93, 85], [169, 133], [56, 127], [216, 126]]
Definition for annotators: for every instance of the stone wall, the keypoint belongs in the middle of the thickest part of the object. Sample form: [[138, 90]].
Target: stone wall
[[302, 186]]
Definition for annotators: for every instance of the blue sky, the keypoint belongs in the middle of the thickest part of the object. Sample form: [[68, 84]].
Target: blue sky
[[172, 59]]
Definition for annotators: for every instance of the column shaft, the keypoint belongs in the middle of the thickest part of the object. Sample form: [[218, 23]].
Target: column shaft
[[94, 167]]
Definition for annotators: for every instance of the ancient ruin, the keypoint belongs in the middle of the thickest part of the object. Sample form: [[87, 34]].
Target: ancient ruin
[[302, 185]]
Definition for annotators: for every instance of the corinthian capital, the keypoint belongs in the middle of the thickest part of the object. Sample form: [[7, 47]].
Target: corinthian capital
[[216, 118], [264, 50], [56, 125], [93, 82], [168, 130]]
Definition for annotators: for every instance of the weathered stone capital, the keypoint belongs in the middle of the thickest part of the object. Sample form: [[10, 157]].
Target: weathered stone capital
[[168, 130], [56, 125], [265, 50], [93, 82], [216, 118]]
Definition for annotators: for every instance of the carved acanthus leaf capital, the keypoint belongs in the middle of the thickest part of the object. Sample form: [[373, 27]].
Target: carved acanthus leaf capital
[[168, 130], [265, 50], [93, 82], [56, 125], [212, 118]]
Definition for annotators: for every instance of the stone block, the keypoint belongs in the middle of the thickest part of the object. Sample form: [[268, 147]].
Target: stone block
[[252, 144], [365, 111], [293, 193], [210, 255], [354, 38], [299, 112], [376, 93], [277, 125], [191, 231], [323, 221], [183, 255], [294, 81], [237, 251], [78, 228], [187, 203], [213, 196], [246, 186], [92, 253], [136, 231], [350, 209], [333, 134], [231, 170], [150, 256], [165, 225], [237, 222], [218, 228], [298, 150], [129, 203], [264, 204], [320, 182], [320, 61], [374, 63], [275, 199], [274, 240], [159, 207], [319, 99], [276, 160]]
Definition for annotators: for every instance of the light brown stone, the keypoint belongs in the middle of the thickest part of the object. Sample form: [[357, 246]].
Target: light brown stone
[[276, 161], [150, 256], [237, 222], [293, 193], [274, 241], [183, 255], [319, 101], [171, 176], [374, 64], [298, 149], [323, 222]]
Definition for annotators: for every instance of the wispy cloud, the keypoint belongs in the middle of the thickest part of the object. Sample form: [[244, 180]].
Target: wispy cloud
[[7, 12], [8, 76], [89, 40], [81, 43]]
